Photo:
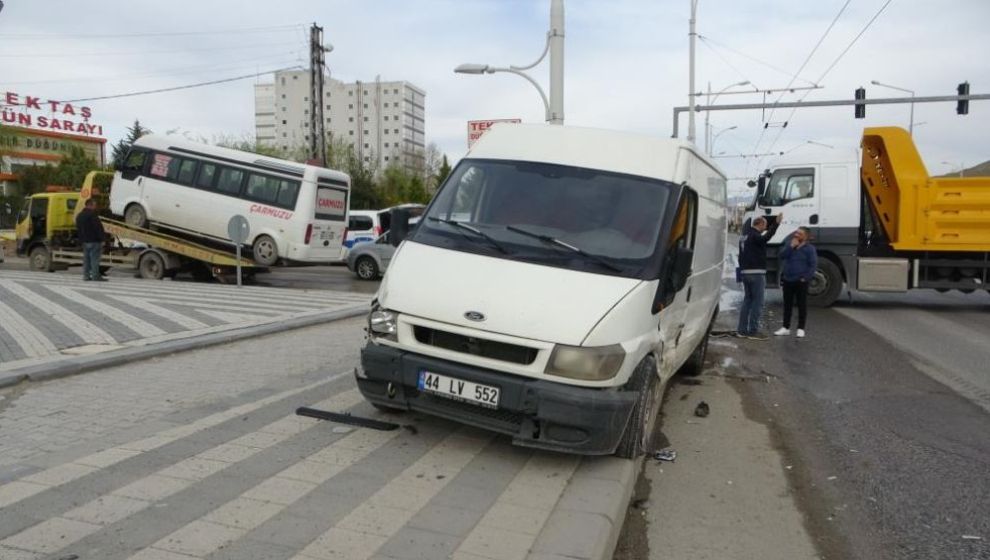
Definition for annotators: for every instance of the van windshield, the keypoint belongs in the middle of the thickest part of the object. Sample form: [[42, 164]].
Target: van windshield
[[556, 215]]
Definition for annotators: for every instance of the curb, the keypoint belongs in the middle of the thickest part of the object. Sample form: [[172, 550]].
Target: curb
[[82, 364], [587, 521]]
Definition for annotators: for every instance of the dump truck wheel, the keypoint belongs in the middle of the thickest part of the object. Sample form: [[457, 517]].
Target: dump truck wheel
[[40, 259], [152, 266], [638, 437], [826, 286], [136, 216]]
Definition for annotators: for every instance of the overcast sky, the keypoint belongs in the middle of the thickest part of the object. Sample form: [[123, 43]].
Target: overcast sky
[[626, 63]]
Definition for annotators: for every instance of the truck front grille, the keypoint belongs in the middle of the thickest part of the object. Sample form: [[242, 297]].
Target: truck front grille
[[475, 346]]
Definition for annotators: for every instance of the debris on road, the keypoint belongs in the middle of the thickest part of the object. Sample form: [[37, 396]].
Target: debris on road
[[668, 455], [347, 419], [972, 538], [702, 410]]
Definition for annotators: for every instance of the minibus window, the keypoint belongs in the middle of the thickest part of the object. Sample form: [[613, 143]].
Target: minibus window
[[187, 170], [207, 173], [261, 188], [287, 194], [230, 180]]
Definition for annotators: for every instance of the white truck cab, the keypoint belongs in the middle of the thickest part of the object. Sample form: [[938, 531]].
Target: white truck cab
[[555, 283]]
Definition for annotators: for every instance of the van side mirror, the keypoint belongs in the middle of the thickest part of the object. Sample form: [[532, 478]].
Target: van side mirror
[[399, 229], [677, 277], [751, 183]]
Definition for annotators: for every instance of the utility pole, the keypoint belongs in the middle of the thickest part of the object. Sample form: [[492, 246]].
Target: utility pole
[[556, 61], [692, 36], [317, 125]]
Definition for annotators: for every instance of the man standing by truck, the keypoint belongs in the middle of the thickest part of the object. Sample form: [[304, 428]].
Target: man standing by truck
[[89, 228], [753, 271], [798, 263]]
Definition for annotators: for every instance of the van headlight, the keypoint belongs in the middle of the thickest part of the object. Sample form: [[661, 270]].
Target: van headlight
[[383, 323], [586, 363]]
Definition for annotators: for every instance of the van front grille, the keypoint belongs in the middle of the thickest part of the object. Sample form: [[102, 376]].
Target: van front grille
[[475, 346]]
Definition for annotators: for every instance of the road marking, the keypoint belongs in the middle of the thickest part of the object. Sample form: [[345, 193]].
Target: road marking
[[31, 340], [13, 492], [367, 527], [147, 490], [509, 529], [167, 314], [84, 329], [141, 327]]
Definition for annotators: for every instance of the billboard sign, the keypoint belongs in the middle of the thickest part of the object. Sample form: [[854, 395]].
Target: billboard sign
[[44, 145], [476, 128]]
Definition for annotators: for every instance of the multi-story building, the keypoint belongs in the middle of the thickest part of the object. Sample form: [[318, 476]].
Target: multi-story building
[[383, 121]]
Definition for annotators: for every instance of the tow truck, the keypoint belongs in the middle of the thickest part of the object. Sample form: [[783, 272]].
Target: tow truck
[[46, 235]]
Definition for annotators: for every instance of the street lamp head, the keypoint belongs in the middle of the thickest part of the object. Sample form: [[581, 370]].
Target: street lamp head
[[743, 83], [876, 83], [471, 69]]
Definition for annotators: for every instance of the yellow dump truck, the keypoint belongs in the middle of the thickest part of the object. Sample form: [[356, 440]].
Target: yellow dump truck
[[46, 235], [880, 222]]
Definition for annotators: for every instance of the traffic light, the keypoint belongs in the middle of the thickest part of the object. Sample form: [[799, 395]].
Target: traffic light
[[861, 107], [962, 106]]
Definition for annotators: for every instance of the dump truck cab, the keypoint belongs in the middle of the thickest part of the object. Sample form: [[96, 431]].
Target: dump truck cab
[[46, 219]]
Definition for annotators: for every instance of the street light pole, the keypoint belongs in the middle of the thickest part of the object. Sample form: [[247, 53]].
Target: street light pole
[[708, 130], [692, 35], [721, 132], [554, 106], [911, 121]]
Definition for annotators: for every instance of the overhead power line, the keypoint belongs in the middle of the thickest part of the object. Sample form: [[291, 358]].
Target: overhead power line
[[801, 69], [710, 43], [139, 52], [275, 28], [830, 67], [176, 88]]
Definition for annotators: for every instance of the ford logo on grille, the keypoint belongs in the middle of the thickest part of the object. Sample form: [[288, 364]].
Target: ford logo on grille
[[474, 316]]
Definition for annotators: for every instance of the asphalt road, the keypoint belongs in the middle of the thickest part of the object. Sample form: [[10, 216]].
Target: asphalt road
[[881, 415]]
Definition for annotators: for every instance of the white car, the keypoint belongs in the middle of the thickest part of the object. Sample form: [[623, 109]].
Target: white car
[[556, 282]]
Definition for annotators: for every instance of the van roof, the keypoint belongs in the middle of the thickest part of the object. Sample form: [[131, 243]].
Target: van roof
[[595, 148], [159, 142]]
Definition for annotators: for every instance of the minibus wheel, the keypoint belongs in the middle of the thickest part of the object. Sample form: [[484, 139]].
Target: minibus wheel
[[638, 437], [265, 251], [135, 215]]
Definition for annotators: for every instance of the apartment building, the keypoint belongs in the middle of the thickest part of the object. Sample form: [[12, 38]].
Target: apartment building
[[384, 121]]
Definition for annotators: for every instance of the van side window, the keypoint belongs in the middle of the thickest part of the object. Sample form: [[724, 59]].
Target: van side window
[[134, 161], [164, 166], [288, 191], [360, 223], [207, 173], [230, 180], [261, 188], [683, 231], [187, 170]]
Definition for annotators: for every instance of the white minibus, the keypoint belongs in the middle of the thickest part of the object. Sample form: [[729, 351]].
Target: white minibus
[[553, 286], [297, 213]]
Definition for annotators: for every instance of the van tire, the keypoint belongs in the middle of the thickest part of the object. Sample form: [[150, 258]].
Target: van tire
[[826, 287], [40, 259], [265, 251], [134, 215], [638, 437], [695, 363], [366, 268]]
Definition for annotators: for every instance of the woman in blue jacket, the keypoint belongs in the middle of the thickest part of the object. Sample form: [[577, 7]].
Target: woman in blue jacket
[[798, 262]]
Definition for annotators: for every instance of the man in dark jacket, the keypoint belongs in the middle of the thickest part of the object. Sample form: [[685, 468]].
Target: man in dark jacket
[[753, 270], [91, 235], [798, 263]]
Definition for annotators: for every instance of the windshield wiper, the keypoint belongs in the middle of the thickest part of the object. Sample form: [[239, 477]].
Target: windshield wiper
[[473, 230], [558, 243]]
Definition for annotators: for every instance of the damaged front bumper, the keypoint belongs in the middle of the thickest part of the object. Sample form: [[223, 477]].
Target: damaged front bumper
[[536, 413]]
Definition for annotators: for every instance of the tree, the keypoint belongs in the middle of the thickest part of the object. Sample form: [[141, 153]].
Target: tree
[[442, 173], [247, 144], [70, 172], [123, 145]]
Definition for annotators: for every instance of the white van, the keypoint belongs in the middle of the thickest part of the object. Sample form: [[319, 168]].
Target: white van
[[555, 283]]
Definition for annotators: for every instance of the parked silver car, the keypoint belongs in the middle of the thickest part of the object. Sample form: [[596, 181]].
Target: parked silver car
[[369, 260]]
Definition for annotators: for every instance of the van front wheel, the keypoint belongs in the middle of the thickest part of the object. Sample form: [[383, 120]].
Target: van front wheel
[[638, 437]]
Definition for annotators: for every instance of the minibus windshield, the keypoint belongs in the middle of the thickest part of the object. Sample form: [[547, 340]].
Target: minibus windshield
[[608, 223]]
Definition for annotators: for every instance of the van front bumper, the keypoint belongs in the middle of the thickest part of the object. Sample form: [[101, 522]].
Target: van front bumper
[[536, 413]]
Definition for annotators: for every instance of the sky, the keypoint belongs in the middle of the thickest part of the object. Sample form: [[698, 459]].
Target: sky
[[626, 64]]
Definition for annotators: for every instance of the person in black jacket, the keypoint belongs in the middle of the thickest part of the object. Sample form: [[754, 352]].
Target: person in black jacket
[[753, 270], [91, 235]]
